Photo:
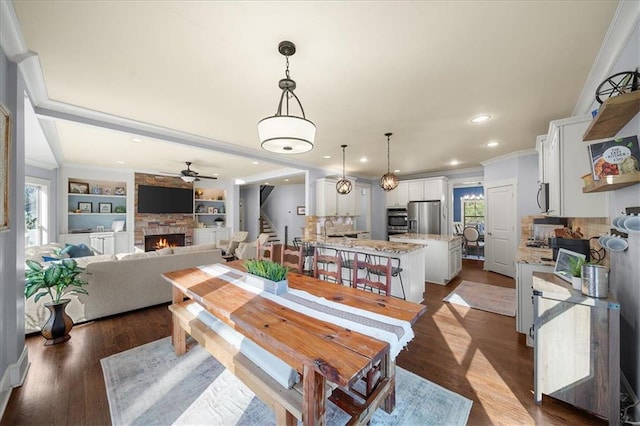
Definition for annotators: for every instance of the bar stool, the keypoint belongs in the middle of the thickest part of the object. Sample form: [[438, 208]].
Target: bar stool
[[322, 262], [307, 252], [377, 276], [289, 252], [396, 270]]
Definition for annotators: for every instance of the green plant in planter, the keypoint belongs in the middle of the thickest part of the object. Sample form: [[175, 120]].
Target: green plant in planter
[[575, 266], [266, 269], [56, 280]]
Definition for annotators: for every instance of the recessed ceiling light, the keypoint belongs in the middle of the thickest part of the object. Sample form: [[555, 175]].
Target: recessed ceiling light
[[480, 118], [286, 180], [120, 162], [492, 144], [396, 171], [254, 162], [216, 174], [136, 140], [326, 156], [454, 162], [266, 183], [363, 160]]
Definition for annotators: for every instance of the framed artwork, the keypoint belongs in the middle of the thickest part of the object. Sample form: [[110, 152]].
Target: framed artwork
[[85, 206], [301, 210], [78, 188], [5, 144], [119, 190], [104, 207]]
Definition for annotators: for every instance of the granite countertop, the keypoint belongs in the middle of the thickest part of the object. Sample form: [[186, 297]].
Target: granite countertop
[[534, 255], [434, 237], [362, 244], [343, 233]]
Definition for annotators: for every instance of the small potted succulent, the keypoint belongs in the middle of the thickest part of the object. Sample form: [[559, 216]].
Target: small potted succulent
[[267, 275], [55, 280], [575, 269]]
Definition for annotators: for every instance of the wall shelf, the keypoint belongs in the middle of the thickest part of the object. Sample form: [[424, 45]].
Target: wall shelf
[[613, 115], [610, 183]]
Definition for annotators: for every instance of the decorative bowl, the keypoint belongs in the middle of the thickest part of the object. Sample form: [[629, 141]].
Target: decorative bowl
[[632, 224], [617, 244]]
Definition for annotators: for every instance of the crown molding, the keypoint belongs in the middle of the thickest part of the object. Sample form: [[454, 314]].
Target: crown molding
[[623, 23], [509, 156]]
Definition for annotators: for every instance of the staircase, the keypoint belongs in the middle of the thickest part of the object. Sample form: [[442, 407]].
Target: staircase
[[265, 227]]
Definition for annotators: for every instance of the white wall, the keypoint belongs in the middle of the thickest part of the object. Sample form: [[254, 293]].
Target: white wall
[[251, 198], [280, 208], [13, 354]]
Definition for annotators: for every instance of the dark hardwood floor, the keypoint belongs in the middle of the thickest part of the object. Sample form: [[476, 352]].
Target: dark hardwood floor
[[474, 353]]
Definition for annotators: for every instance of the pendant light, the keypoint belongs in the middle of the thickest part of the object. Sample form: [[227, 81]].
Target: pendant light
[[343, 186], [388, 181], [285, 133]]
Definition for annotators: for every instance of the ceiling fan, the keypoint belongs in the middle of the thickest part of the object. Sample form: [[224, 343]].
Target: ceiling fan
[[189, 175]]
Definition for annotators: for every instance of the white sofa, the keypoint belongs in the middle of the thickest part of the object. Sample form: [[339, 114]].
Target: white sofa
[[123, 283]]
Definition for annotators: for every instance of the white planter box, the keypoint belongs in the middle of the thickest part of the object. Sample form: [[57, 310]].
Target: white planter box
[[275, 287]]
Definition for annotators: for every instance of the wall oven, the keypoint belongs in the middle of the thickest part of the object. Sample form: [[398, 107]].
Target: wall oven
[[397, 221]]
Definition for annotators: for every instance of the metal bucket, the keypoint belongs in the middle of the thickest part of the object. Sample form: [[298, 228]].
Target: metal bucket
[[595, 281]]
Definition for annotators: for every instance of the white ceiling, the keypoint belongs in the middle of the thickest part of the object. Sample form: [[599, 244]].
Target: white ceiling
[[421, 70]]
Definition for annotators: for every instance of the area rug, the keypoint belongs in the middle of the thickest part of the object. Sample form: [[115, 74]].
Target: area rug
[[150, 385], [490, 298]]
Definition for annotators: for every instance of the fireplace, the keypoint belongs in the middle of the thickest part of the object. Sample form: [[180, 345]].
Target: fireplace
[[155, 242]]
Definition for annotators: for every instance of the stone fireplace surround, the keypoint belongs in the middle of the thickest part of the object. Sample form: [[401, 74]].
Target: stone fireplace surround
[[158, 224]]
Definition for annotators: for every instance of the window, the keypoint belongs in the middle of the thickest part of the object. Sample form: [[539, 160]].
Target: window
[[36, 205], [473, 213]]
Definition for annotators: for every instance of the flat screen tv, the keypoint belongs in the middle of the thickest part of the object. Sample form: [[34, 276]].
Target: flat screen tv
[[159, 199]]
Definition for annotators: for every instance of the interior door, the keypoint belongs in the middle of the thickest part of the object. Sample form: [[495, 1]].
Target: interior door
[[500, 232]]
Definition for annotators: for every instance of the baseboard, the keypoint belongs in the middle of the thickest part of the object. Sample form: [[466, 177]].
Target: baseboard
[[13, 377], [626, 388]]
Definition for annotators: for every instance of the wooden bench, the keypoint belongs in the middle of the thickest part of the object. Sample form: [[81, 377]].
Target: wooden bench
[[286, 403]]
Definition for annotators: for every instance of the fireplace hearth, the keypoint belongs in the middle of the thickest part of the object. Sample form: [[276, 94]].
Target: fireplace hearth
[[155, 242]]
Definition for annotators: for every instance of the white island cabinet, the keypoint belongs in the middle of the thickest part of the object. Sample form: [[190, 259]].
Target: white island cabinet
[[443, 255]]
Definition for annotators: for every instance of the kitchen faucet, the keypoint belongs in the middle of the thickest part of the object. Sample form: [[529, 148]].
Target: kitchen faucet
[[326, 223]]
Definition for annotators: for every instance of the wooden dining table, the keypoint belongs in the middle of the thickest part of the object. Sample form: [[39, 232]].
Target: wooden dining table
[[319, 350]]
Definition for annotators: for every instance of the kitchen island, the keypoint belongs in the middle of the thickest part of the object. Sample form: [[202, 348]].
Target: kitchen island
[[443, 254], [411, 257]]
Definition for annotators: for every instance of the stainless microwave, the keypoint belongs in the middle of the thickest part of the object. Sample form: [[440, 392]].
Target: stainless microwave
[[396, 218]]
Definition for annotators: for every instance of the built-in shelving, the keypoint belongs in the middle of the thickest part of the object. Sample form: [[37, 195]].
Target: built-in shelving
[[612, 182], [209, 206], [613, 115], [84, 195]]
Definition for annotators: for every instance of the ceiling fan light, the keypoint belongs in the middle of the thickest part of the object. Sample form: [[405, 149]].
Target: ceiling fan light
[[285, 134], [188, 179], [388, 181]]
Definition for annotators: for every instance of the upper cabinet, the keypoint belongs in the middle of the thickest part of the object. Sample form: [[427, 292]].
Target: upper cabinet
[[566, 160], [398, 197], [330, 203], [95, 204]]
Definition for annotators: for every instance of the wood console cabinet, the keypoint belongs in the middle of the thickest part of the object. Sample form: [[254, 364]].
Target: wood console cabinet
[[576, 347]]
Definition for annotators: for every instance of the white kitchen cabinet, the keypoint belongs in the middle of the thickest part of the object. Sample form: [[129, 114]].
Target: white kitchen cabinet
[[540, 143], [434, 189], [443, 257], [416, 190], [330, 203], [565, 161], [398, 197], [524, 293]]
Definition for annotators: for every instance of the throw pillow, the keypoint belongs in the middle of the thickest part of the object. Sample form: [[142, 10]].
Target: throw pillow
[[80, 250], [49, 258]]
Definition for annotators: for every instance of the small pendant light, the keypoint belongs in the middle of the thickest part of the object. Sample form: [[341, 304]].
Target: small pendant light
[[343, 186], [388, 181]]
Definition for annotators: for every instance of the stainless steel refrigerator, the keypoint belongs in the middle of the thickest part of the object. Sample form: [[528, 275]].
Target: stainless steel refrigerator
[[423, 217]]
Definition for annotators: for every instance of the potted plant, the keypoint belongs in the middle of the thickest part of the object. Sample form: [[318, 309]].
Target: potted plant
[[575, 269], [55, 280], [267, 275]]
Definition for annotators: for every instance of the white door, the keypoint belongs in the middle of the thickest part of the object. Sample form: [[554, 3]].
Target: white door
[[500, 233]]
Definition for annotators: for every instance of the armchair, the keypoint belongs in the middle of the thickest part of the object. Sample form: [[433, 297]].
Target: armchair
[[247, 251], [229, 246]]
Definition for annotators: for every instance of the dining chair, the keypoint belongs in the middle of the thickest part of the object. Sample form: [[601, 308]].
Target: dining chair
[[265, 251], [377, 274], [324, 264], [472, 240], [289, 253]]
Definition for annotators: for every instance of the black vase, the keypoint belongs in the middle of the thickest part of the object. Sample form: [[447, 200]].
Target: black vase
[[56, 329]]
